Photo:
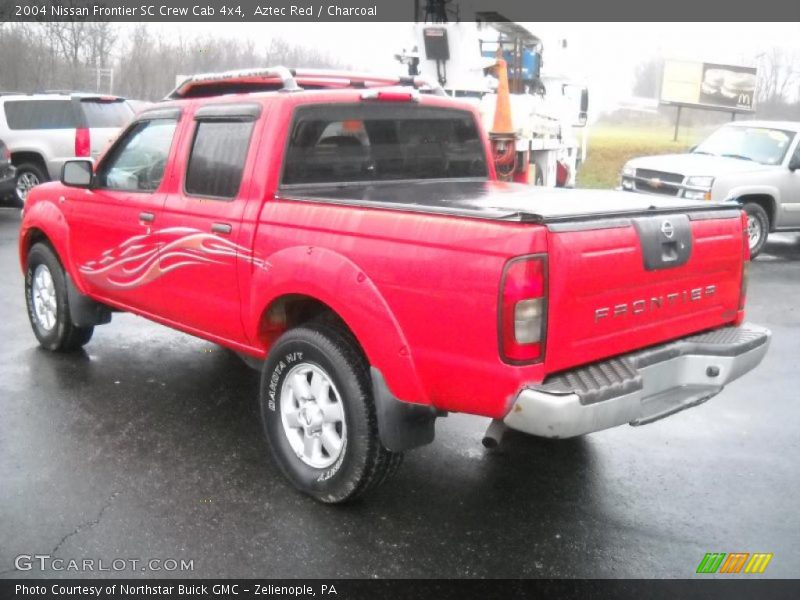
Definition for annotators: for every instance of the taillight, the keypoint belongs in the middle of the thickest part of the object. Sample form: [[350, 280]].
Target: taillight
[[743, 290], [6, 153], [83, 146], [523, 309], [745, 261]]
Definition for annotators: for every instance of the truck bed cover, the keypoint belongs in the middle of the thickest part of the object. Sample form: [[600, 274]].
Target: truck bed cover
[[501, 201]]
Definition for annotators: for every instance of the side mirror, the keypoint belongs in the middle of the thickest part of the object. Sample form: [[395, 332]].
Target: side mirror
[[77, 173], [794, 164]]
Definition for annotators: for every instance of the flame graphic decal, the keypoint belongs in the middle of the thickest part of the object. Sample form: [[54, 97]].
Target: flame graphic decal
[[144, 258]]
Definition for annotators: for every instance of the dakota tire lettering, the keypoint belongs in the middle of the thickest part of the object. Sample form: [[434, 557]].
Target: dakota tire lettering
[[363, 462]]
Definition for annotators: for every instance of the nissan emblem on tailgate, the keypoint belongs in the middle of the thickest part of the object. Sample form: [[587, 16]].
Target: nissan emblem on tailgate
[[666, 242]]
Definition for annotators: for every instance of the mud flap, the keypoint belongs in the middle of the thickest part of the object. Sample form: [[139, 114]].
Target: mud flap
[[401, 425], [84, 311]]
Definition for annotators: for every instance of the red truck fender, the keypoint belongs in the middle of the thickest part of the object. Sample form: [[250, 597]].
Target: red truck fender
[[405, 417], [337, 282], [45, 222], [44, 219]]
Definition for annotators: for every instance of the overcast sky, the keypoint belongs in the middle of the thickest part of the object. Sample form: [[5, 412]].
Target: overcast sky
[[602, 54]]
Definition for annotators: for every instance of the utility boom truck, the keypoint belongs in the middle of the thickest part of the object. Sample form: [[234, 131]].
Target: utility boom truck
[[542, 113]]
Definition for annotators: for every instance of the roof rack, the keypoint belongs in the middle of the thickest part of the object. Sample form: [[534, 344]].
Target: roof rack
[[289, 80]]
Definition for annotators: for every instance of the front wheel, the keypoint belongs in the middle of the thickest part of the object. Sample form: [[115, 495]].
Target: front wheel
[[757, 228], [319, 416], [48, 306]]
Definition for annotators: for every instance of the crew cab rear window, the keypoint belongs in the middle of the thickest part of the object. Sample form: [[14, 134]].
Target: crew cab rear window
[[100, 113], [382, 142], [40, 114], [217, 158]]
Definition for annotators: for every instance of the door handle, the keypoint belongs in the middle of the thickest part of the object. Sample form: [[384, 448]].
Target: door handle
[[221, 228], [147, 217]]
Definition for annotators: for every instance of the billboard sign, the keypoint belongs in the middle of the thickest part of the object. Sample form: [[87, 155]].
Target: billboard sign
[[709, 85]]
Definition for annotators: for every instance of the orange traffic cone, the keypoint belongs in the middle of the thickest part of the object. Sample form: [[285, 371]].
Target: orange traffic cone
[[502, 135], [502, 112]]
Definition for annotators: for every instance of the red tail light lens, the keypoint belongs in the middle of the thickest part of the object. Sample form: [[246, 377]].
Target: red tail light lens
[[523, 310], [745, 261], [745, 237], [83, 146]]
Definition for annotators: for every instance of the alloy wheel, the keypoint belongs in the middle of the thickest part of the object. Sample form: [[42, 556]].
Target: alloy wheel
[[754, 230], [25, 183], [43, 294], [312, 415]]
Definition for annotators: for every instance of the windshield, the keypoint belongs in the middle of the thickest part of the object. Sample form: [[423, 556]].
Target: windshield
[[382, 142], [758, 144]]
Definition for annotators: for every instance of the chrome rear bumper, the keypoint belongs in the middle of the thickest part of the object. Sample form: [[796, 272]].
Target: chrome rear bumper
[[640, 387]]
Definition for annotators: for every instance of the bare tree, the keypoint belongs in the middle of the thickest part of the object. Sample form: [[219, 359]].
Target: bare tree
[[101, 38], [145, 63], [778, 75], [647, 78]]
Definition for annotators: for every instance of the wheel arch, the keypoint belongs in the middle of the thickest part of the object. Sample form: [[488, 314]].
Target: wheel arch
[[765, 200], [301, 283], [401, 425], [44, 222], [31, 236], [292, 310], [19, 157]]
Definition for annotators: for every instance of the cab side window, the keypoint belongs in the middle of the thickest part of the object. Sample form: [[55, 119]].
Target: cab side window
[[217, 158], [138, 161]]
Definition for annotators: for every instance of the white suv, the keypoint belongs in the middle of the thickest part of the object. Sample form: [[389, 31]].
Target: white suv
[[43, 130]]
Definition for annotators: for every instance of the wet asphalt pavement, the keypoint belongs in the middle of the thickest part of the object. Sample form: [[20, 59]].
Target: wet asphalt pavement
[[148, 445]]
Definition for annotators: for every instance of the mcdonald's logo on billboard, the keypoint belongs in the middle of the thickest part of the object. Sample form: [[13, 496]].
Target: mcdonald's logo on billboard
[[734, 562]]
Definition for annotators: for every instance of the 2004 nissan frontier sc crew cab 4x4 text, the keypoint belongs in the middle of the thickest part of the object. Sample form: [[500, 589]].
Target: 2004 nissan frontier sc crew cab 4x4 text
[[348, 234]]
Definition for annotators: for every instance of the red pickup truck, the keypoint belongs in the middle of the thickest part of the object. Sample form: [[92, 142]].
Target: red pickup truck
[[348, 235]]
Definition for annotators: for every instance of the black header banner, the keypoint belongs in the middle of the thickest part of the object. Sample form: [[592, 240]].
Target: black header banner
[[395, 10]]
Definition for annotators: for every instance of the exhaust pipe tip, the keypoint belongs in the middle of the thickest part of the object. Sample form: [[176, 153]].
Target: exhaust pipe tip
[[494, 434], [489, 443]]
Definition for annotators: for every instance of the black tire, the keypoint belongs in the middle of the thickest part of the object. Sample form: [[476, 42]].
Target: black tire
[[27, 171], [63, 335], [759, 218], [363, 463]]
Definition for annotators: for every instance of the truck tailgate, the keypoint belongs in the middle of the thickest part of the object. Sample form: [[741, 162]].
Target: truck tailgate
[[626, 283]]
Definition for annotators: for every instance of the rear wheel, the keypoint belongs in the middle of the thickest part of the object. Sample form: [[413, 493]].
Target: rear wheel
[[48, 306], [757, 228], [319, 416], [28, 176]]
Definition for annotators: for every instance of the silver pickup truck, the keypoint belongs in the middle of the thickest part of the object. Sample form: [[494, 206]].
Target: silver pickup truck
[[753, 163]]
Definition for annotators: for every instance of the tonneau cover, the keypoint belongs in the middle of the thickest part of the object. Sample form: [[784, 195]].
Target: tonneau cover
[[496, 200]]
